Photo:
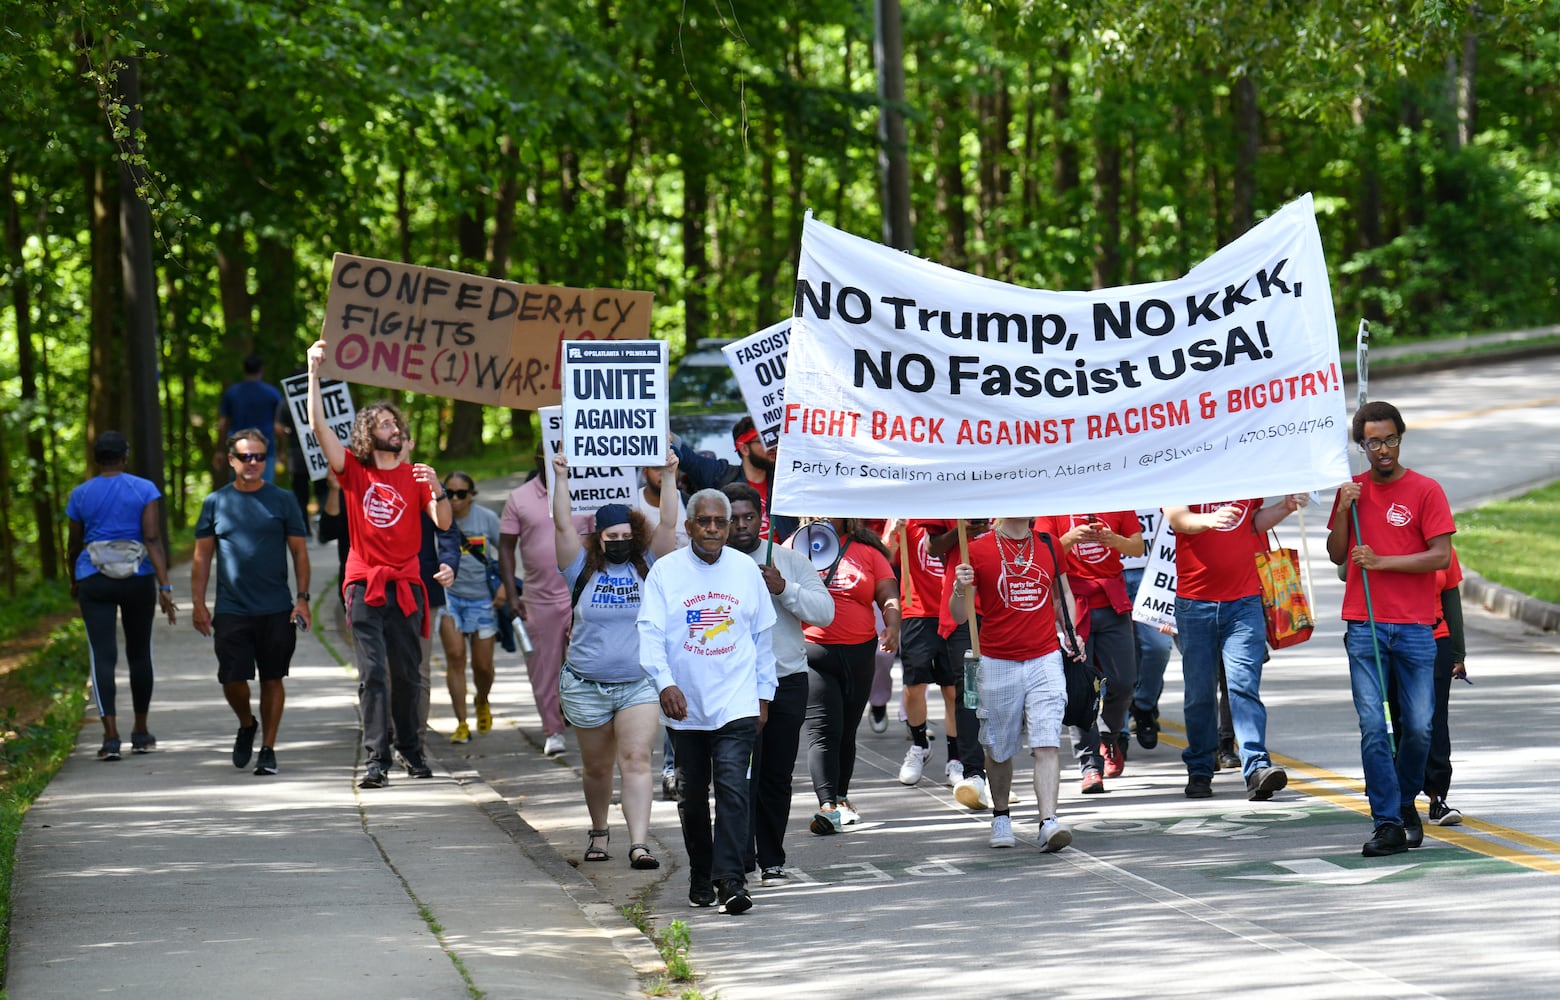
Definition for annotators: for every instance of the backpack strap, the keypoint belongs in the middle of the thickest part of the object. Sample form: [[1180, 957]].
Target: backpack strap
[[1072, 635]]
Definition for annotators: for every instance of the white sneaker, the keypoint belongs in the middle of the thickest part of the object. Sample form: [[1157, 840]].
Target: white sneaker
[[972, 793], [848, 816], [554, 745], [955, 771], [1054, 836], [879, 723], [1002, 832], [915, 763]]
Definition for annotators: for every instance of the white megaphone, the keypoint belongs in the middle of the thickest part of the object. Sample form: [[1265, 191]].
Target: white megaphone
[[820, 542]]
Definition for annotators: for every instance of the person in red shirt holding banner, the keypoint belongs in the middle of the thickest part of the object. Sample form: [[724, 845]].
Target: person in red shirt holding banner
[[925, 654], [1218, 614], [1095, 544], [382, 585], [1020, 674], [1393, 527]]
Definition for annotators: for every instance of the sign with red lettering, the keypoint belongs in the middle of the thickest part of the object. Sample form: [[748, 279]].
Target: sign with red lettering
[[463, 336], [921, 391]]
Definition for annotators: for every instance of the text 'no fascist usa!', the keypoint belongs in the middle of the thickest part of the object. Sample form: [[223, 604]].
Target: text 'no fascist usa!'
[[1224, 383], [463, 336]]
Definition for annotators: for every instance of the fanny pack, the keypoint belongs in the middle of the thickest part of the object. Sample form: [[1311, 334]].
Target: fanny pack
[[117, 559]]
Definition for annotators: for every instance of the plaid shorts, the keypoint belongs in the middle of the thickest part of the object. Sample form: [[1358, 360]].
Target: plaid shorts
[[1015, 694]]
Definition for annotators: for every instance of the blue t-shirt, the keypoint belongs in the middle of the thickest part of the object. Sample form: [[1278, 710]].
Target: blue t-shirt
[[604, 646], [108, 508], [251, 403], [251, 530]]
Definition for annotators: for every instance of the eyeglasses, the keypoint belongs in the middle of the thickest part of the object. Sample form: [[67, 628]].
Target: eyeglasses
[[1371, 444], [711, 522], [249, 458], [460, 494]]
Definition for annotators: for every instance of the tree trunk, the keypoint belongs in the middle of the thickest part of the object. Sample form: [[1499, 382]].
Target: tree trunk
[[767, 293], [280, 336], [893, 152], [1248, 134], [36, 417], [1107, 197], [107, 392], [1467, 103], [695, 247]]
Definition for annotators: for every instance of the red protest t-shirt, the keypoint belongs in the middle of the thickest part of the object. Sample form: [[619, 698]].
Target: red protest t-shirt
[[1093, 560], [853, 588], [1219, 564], [382, 508], [926, 570], [1445, 579], [1396, 519], [1014, 581]]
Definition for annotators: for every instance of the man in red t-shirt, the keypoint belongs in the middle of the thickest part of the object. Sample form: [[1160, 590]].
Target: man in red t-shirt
[[382, 585], [1021, 684], [1218, 616], [1394, 529], [923, 652], [1095, 544]]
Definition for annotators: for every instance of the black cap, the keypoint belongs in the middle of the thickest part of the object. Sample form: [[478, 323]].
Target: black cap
[[111, 444]]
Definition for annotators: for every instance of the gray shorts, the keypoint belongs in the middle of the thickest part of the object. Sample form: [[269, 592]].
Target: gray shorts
[[590, 704], [1019, 694]]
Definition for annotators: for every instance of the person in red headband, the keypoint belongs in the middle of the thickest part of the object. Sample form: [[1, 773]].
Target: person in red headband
[[757, 465]]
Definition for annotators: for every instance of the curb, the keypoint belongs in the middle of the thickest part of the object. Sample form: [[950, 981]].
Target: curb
[[1508, 603]]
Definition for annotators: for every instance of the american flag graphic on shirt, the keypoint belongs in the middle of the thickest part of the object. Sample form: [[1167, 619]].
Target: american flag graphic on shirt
[[705, 621]]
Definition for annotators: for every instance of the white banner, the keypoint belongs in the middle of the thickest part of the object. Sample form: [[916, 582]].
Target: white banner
[[1155, 604], [903, 373], [1148, 521], [590, 487], [339, 411], [758, 363], [615, 397]]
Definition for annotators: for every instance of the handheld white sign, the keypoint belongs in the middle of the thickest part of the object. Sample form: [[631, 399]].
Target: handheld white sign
[[339, 412], [1155, 604], [758, 363], [615, 395], [590, 487]]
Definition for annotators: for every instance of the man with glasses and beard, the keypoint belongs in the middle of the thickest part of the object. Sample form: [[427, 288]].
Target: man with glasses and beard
[[1394, 528], [251, 525], [799, 596], [387, 603]]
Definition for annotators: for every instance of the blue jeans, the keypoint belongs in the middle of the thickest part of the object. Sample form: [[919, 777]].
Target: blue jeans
[[1153, 655], [1408, 663], [721, 757], [1233, 631]]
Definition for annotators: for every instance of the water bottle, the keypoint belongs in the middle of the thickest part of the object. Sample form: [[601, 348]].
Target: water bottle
[[971, 680], [523, 638]]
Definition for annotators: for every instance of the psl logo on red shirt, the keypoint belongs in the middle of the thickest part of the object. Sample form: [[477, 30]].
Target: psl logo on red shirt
[[1399, 516], [382, 505], [1024, 588]]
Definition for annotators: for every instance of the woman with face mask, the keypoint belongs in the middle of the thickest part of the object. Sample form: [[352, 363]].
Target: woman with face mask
[[607, 698]]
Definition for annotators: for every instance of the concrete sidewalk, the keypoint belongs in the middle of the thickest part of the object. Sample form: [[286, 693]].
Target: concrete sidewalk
[[175, 874]]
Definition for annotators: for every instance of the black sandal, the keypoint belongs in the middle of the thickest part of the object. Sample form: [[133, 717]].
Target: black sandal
[[594, 853], [646, 861]]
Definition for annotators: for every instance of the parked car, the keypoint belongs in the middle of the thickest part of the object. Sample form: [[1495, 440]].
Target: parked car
[[705, 399]]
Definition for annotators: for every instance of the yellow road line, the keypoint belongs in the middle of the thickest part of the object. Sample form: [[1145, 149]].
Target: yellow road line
[[1345, 793]]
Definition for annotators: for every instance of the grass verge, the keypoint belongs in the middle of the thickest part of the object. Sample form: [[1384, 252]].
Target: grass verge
[[1513, 542], [31, 752], [21, 614]]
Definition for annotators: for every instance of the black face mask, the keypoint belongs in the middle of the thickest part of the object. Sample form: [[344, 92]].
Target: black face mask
[[618, 550]]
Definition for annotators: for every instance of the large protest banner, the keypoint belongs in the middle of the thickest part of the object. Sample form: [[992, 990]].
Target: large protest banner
[[996, 400], [339, 411], [590, 487], [615, 402], [758, 363], [444, 333]]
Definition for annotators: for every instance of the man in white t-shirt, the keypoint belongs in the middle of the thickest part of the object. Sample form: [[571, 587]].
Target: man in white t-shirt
[[704, 623]]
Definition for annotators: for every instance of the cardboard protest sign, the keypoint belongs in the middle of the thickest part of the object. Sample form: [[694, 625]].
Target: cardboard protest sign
[[339, 412], [1021, 402], [463, 336], [590, 487], [615, 398], [758, 362], [1155, 604]]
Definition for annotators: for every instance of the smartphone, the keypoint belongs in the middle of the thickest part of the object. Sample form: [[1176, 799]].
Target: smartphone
[[300, 624]]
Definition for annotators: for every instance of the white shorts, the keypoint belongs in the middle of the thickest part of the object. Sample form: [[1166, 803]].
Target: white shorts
[[1019, 694]]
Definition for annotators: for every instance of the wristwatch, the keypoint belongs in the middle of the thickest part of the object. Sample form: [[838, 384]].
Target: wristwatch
[[303, 595], [442, 496]]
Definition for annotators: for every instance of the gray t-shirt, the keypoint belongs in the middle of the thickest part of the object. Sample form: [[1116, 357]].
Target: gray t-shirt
[[251, 530], [478, 530], [604, 646]]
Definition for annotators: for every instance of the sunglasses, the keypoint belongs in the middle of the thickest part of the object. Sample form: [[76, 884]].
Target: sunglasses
[[460, 494], [251, 458]]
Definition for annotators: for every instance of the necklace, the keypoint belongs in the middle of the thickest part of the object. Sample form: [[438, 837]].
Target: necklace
[[1021, 550]]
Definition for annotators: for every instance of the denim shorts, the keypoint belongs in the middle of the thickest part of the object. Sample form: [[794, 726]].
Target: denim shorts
[[471, 615], [589, 704]]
